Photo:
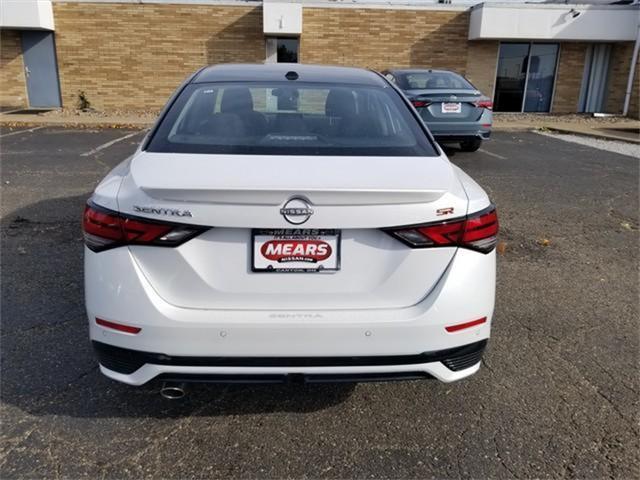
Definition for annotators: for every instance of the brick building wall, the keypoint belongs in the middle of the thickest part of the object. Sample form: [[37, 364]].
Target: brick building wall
[[13, 90], [571, 70], [385, 38], [569, 77], [618, 77], [132, 56], [482, 60]]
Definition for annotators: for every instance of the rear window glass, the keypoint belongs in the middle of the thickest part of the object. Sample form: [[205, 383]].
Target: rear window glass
[[433, 81], [285, 119]]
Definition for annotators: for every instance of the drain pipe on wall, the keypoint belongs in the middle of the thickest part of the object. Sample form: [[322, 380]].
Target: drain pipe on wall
[[632, 71]]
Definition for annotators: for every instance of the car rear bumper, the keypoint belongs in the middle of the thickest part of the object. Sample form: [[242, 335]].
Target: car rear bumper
[[460, 131], [442, 133], [444, 138], [117, 291], [137, 367]]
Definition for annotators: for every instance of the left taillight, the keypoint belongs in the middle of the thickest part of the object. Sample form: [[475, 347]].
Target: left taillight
[[478, 231], [420, 103], [104, 229]]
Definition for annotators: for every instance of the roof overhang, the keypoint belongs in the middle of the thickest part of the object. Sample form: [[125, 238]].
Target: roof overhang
[[26, 14], [282, 18], [590, 23]]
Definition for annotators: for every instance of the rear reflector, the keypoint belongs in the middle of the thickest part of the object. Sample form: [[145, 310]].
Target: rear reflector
[[117, 326], [478, 231], [104, 229], [462, 326]]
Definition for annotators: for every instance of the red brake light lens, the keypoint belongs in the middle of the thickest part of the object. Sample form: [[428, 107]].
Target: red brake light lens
[[488, 104], [420, 103], [481, 231], [104, 229], [478, 231]]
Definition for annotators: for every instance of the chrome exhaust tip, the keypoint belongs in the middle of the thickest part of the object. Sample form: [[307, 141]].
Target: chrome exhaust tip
[[173, 390]]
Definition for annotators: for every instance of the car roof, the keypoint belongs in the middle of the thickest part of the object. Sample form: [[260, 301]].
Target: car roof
[[419, 70], [277, 72]]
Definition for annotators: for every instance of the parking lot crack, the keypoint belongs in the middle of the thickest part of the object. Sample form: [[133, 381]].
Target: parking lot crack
[[459, 457], [14, 444], [501, 460], [54, 397], [610, 375], [42, 327]]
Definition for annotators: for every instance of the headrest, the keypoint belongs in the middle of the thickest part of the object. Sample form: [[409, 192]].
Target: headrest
[[340, 103], [432, 83], [236, 99]]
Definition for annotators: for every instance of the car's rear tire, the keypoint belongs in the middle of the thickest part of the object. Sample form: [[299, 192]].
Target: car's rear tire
[[471, 145]]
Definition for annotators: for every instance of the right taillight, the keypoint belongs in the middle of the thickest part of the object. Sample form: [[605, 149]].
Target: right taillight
[[484, 104], [104, 229], [477, 231]]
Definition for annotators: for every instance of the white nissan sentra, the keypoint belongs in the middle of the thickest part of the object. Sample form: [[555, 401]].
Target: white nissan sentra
[[289, 222]]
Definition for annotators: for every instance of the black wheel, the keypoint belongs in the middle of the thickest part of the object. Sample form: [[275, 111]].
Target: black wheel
[[471, 145]]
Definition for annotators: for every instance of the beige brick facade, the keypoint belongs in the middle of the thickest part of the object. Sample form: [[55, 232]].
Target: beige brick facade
[[132, 56], [618, 77], [385, 38], [569, 77], [13, 91], [482, 60]]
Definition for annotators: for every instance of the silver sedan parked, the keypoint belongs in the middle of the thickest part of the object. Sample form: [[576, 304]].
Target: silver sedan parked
[[453, 109]]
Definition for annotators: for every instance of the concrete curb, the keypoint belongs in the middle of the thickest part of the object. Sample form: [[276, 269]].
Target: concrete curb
[[592, 133], [514, 127], [133, 123], [35, 121]]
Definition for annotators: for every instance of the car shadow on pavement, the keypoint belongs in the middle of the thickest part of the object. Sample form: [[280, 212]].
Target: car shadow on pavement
[[449, 149], [48, 365]]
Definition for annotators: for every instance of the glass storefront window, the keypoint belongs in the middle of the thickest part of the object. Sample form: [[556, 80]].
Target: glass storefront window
[[511, 77], [525, 77], [542, 70]]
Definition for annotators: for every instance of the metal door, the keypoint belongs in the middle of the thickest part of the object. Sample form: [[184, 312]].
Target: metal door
[[40, 68]]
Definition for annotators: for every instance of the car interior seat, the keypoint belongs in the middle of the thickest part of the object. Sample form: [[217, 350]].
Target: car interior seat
[[345, 118], [238, 101]]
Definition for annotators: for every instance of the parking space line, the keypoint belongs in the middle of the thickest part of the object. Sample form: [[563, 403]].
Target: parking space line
[[108, 144], [22, 131], [491, 154]]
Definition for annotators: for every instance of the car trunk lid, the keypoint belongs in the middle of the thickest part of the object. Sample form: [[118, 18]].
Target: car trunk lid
[[234, 194], [446, 106]]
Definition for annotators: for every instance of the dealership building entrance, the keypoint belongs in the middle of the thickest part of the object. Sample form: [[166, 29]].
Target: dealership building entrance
[[130, 54]]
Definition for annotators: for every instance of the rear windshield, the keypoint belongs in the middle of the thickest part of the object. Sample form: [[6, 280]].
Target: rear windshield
[[286, 119], [433, 81]]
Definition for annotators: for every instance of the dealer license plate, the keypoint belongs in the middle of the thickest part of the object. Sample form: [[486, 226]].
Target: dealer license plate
[[451, 107], [300, 250]]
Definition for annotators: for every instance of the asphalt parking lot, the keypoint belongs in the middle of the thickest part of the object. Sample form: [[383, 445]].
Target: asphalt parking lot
[[557, 396]]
